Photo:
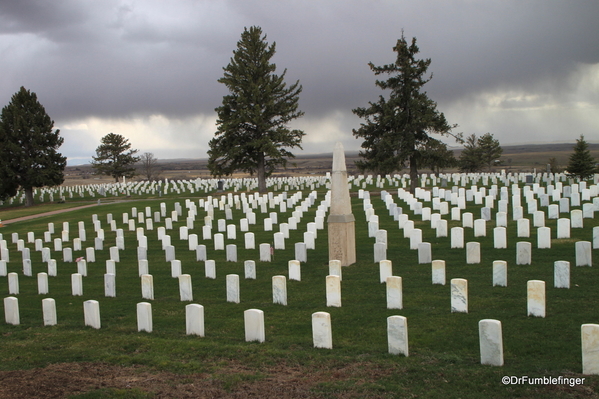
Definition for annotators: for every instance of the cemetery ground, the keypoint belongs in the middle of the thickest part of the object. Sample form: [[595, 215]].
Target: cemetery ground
[[116, 360]]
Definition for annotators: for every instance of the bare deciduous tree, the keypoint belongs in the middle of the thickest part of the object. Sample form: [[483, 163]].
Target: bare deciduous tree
[[148, 166]]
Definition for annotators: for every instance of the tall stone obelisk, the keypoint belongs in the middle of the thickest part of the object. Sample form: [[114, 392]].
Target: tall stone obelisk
[[341, 221]]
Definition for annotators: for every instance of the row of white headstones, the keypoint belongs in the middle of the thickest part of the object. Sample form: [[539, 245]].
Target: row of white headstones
[[333, 292], [491, 346], [205, 186]]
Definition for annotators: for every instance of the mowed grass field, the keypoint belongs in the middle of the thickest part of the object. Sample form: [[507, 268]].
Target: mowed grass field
[[444, 356]]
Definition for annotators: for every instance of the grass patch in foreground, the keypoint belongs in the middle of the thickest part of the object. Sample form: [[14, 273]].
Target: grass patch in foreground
[[444, 358]]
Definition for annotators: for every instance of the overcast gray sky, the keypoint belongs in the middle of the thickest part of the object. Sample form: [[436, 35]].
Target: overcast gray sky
[[525, 71]]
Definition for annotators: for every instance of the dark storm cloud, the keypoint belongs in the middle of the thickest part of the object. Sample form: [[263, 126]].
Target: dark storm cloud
[[116, 59]]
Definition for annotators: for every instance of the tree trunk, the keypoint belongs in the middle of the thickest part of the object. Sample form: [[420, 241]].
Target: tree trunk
[[413, 174], [261, 174], [28, 196]]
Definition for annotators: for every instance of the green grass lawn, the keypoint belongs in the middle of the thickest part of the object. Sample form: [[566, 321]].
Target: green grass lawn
[[444, 356]]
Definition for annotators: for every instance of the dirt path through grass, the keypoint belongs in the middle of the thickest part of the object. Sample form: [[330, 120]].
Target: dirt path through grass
[[38, 215]]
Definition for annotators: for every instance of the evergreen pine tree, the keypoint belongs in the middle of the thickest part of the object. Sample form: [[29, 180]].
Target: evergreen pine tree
[[28, 147], [581, 165], [471, 159], [114, 157], [436, 156], [398, 127], [490, 150], [252, 133]]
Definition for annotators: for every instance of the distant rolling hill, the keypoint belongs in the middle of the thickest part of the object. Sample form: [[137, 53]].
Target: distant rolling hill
[[525, 158]]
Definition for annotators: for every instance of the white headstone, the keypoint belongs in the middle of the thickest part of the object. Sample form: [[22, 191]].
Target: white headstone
[[279, 290], [110, 285], [76, 284], [231, 253], [491, 342], [147, 286], [500, 237], [185, 288], [91, 313], [201, 252], [219, 242], [499, 273], [561, 274], [11, 311], [385, 270], [333, 290], [394, 292], [49, 311], [536, 298], [397, 335], [322, 335], [114, 254], [210, 269], [472, 252], [584, 254], [424, 253], [233, 294], [523, 253], [254, 325], [249, 267], [265, 252], [590, 349], [438, 272], [563, 228], [459, 295], [249, 240], [457, 237], [194, 319], [144, 317]]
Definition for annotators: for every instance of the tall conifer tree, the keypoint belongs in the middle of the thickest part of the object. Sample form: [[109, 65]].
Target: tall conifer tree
[[252, 134], [582, 164], [29, 156], [398, 127], [115, 157], [490, 150]]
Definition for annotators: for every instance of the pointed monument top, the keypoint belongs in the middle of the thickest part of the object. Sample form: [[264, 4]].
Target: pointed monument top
[[339, 158]]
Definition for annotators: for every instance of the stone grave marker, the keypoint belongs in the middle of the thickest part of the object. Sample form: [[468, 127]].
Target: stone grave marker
[[249, 267], [584, 254], [536, 298], [491, 342], [333, 291], [254, 325], [590, 348], [49, 312], [185, 288], [499, 273], [561, 274], [397, 335], [194, 319], [91, 313], [210, 269], [233, 294], [147, 286], [11, 311], [279, 290], [459, 295], [523, 253], [144, 317], [394, 292], [322, 335]]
